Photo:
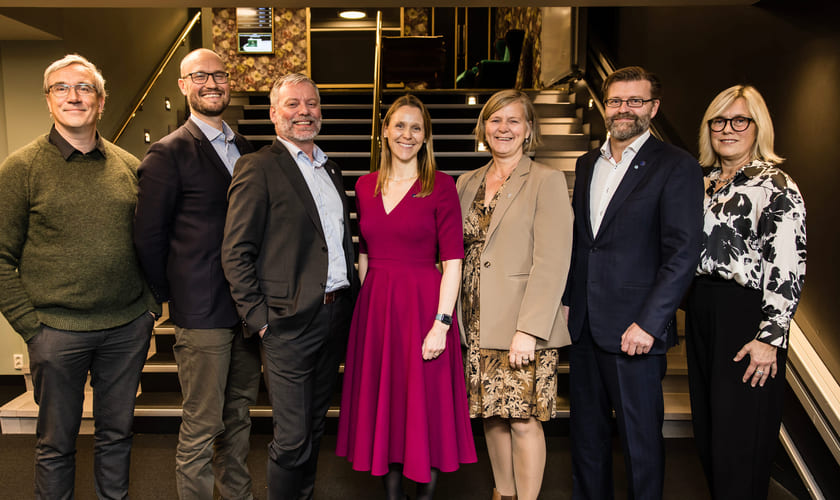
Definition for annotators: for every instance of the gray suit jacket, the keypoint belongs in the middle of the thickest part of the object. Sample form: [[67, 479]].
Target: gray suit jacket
[[274, 252]]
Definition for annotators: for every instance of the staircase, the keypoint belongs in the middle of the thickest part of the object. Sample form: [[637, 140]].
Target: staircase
[[345, 137]]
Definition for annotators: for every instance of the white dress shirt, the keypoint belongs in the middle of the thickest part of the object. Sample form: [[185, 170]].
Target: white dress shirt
[[607, 175]]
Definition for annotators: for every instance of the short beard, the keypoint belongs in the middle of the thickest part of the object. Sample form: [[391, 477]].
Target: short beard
[[624, 132], [198, 106], [288, 130]]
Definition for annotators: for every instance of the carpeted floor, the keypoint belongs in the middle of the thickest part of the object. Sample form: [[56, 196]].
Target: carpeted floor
[[153, 477]]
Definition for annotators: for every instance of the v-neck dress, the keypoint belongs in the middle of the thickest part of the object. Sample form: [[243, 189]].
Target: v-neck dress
[[396, 407], [495, 389]]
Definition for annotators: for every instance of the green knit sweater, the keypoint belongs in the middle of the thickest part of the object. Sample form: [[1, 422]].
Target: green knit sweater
[[66, 254]]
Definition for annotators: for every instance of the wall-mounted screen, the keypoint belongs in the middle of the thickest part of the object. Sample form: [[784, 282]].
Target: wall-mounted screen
[[255, 30]]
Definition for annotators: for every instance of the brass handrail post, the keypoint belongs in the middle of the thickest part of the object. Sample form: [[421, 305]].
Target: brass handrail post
[[154, 78], [375, 146]]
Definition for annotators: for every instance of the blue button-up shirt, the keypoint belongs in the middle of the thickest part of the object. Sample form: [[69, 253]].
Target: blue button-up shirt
[[330, 210], [222, 141]]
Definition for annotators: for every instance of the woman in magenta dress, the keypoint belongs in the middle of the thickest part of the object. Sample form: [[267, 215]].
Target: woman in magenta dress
[[404, 403]]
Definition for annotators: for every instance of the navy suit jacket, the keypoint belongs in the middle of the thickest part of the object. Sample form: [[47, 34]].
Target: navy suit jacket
[[638, 266], [275, 252], [179, 224]]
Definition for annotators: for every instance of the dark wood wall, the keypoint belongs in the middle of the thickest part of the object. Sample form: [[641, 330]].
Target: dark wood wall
[[791, 52]]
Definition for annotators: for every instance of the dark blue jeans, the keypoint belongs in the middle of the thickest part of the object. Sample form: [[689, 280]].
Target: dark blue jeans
[[60, 361]]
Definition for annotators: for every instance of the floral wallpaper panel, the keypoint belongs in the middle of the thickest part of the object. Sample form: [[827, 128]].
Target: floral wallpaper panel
[[258, 72], [416, 21], [530, 20]]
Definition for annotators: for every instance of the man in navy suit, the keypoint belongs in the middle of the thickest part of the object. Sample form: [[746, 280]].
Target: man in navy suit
[[638, 219], [288, 254], [179, 225]]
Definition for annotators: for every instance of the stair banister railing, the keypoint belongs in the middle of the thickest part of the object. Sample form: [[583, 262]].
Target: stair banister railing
[[159, 71], [601, 65], [376, 126]]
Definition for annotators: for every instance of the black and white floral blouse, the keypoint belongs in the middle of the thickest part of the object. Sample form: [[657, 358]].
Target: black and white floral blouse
[[754, 234]]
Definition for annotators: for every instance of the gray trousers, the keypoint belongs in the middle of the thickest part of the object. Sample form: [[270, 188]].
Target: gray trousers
[[219, 371], [60, 361], [301, 374]]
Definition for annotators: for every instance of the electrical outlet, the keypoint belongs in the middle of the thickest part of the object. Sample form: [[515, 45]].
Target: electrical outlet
[[18, 361]]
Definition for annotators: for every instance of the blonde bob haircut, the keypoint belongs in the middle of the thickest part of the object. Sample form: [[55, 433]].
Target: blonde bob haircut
[[425, 157], [69, 60], [498, 101], [763, 147]]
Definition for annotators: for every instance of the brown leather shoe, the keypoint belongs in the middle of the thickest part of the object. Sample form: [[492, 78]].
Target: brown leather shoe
[[499, 496]]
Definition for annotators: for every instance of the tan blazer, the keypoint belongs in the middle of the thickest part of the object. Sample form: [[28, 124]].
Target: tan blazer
[[526, 256]]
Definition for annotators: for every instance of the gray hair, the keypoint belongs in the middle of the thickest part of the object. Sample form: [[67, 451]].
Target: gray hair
[[291, 79], [69, 60]]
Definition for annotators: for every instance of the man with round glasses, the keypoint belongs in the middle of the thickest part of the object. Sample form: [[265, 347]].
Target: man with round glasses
[[71, 284], [638, 215], [178, 230]]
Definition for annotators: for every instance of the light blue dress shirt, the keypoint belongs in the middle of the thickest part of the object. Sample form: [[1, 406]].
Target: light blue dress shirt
[[222, 141], [330, 210]]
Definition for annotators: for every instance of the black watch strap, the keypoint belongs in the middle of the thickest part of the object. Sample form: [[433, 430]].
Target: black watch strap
[[446, 319]]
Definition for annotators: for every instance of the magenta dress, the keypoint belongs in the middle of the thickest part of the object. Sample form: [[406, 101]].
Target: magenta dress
[[396, 407]]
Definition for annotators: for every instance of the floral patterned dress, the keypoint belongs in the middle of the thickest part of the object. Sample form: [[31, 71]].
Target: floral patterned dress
[[494, 388]]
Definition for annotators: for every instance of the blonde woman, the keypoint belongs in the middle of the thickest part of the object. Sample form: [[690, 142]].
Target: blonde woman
[[518, 239], [748, 283]]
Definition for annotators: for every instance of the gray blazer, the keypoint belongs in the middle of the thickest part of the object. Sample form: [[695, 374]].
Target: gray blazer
[[526, 255]]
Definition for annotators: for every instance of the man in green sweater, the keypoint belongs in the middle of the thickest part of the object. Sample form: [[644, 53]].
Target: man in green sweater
[[72, 287]]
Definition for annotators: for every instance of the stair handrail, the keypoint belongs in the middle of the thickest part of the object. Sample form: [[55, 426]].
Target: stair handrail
[[179, 40], [376, 126]]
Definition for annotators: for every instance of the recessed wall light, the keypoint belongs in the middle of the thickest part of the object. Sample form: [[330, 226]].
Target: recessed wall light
[[352, 14], [471, 100]]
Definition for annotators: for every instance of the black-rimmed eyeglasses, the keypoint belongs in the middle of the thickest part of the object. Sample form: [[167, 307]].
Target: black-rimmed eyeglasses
[[633, 102], [62, 89], [201, 77], [738, 123]]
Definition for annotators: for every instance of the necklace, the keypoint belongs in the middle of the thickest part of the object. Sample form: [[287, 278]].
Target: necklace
[[497, 176], [394, 179]]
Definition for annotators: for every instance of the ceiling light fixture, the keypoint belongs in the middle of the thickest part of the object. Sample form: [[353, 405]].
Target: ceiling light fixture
[[352, 14]]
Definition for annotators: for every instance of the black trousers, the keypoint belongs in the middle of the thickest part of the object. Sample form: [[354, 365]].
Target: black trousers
[[301, 374], [736, 426]]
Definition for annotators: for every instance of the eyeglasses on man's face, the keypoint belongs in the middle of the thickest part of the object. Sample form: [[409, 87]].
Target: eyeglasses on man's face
[[63, 90], [201, 77], [633, 102], [738, 123]]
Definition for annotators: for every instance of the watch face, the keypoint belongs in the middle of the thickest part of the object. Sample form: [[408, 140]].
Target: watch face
[[446, 319]]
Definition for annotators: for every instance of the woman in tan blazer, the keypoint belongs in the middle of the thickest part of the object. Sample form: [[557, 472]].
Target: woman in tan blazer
[[518, 240]]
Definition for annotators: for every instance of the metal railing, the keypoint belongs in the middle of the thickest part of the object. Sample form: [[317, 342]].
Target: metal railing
[[600, 66], [154, 78], [375, 146]]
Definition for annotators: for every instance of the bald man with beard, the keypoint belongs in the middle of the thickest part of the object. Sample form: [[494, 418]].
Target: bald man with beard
[[179, 225]]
